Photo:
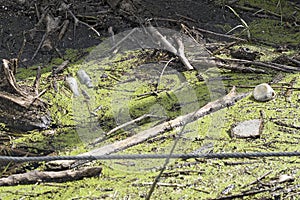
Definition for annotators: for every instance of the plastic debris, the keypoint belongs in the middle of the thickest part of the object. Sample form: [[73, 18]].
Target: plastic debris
[[263, 92], [72, 84], [84, 78]]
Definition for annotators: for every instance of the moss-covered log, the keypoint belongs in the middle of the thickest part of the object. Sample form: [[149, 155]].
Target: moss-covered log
[[20, 107]]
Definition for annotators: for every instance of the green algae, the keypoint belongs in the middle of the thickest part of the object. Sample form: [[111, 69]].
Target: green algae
[[277, 27], [269, 31], [116, 87], [216, 175], [202, 179]]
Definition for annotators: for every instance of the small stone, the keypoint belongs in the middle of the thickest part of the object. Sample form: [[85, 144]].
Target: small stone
[[263, 92], [247, 129]]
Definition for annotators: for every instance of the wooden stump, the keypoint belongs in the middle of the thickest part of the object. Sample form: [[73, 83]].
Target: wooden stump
[[20, 107]]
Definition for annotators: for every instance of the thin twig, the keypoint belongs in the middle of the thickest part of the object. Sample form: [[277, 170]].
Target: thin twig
[[162, 72], [61, 67], [221, 35], [36, 83], [274, 86], [22, 47], [38, 97], [278, 67], [258, 179], [181, 54], [86, 24], [97, 140], [40, 45], [225, 47], [187, 18], [189, 32], [158, 36], [243, 194], [121, 41], [212, 61], [161, 184]]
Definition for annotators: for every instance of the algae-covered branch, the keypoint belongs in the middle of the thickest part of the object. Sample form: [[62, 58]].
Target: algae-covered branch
[[20, 106]]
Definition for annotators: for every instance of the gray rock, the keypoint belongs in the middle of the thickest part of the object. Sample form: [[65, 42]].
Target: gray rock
[[247, 129]]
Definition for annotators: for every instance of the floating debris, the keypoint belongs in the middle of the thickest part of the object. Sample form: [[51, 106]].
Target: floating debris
[[85, 94], [72, 84], [228, 189], [263, 92], [283, 178], [84, 78]]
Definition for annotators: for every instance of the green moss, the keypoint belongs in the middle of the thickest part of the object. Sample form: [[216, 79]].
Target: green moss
[[281, 8], [279, 29], [2, 126], [61, 106], [30, 73], [271, 30]]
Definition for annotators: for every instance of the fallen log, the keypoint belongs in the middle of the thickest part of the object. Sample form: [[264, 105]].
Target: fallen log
[[169, 46], [60, 176], [20, 106], [211, 107]]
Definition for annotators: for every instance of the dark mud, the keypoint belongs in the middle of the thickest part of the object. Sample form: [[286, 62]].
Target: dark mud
[[21, 33]]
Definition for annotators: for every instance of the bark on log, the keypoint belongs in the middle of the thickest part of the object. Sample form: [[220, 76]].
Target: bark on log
[[20, 107], [61, 176], [142, 136]]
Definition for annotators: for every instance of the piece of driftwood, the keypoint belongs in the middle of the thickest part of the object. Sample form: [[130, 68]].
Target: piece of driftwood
[[269, 65], [20, 107], [211, 107], [231, 66], [48, 176], [159, 37], [169, 47], [60, 68], [97, 140], [181, 54]]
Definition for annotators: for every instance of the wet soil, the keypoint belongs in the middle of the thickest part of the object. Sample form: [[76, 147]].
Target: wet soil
[[24, 34], [23, 29]]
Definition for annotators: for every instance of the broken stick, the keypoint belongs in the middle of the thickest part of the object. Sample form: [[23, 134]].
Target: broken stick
[[211, 107], [169, 47]]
